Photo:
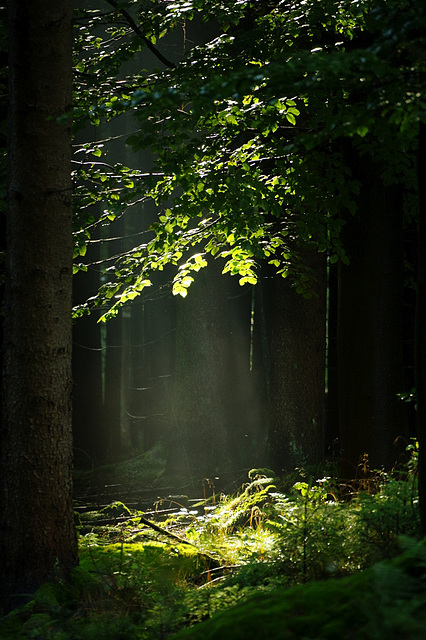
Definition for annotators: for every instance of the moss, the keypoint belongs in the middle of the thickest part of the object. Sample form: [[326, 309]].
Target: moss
[[245, 509], [117, 591], [135, 588], [115, 510], [177, 562], [131, 590], [386, 601]]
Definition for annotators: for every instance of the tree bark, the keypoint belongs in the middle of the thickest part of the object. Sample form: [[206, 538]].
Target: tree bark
[[112, 408], [199, 446], [247, 435], [372, 420], [158, 351], [297, 383], [90, 443], [420, 333], [332, 396], [38, 539]]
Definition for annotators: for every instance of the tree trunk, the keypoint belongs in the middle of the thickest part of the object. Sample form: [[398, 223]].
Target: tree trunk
[[297, 384], [159, 334], [332, 396], [112, 409], [90, 443], [420, 337], [38, 539], [200, 404], [370, 366], [245, 407]]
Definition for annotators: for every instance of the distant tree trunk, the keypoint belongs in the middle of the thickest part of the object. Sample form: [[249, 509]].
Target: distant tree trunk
[[332, 397], [200, 399], [370, 364], [297, 383], [90, 443], [420, 338], [245, 418], [2, 280], [112, 346], [38, 539], [261, 361], [135, 379], [128, 408], [3, 152], [158, 352]]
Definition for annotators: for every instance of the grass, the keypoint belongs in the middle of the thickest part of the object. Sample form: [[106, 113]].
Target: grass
[[274, 561]]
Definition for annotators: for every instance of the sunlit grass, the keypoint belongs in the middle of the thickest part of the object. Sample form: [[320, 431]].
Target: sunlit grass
[[138, 581]]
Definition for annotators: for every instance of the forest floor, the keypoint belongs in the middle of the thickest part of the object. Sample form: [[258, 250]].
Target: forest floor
[[300, 558]]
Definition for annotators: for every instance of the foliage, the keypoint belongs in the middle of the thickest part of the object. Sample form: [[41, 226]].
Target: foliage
[[362, 606], [309, 533], [244, 554], [249, 130]]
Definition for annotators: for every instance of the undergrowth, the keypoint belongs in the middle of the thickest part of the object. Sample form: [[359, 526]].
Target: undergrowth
[[268, 551], [143, 470]]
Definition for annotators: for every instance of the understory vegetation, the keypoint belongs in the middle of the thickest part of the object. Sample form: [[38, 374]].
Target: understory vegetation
[[294, 557]]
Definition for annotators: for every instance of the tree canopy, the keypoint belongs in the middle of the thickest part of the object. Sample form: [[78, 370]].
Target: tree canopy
[[257, 125], [249, 130]]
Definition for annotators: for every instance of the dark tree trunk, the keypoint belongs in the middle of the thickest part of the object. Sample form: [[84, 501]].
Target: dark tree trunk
[[90, 443], [245, 407], [297, 383], [112, 347], [38, 538], [372, 420], [261, 361], [200, 398], [135, 407], [157, 361], [332, 396], [3, 152], [420, 339]]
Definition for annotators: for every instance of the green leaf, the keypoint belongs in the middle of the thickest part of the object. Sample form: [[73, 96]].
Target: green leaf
[[362, 131], [247, 280]]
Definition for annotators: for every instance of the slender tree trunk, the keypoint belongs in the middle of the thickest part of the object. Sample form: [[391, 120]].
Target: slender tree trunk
[[370, 366], [297, 388], [38, 538]]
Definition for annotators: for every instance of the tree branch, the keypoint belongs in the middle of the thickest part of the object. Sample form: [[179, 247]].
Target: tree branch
[[138, 32]]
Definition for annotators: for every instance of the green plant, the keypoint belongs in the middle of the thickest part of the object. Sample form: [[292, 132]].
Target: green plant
[[246, 547], [386, 601]]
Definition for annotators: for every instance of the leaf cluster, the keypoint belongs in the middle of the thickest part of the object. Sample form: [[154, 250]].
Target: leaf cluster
[[246, 129]]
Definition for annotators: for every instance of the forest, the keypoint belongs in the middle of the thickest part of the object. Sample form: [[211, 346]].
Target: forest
[[213, 305]]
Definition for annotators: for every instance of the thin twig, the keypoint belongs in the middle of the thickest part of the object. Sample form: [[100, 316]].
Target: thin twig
[[138, 32]]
